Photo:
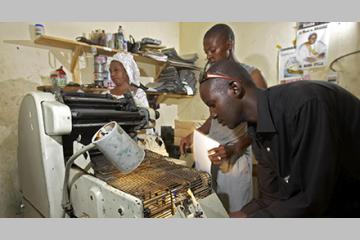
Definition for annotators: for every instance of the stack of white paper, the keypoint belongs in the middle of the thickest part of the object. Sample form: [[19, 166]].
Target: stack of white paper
[[202, 144]]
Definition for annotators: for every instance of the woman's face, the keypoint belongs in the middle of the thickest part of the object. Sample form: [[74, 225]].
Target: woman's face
[[118, 73], [216, 48], [312, 38]]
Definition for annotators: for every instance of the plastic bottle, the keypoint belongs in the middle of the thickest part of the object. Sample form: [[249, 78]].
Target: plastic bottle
[[125, 48], [120, 38], [102, 38], [110, 40], [124, 42]]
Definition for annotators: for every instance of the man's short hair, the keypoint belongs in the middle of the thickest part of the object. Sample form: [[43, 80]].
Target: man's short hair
[[232, 69], [221, 30]]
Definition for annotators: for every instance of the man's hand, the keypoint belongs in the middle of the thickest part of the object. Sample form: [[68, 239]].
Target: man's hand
[[221, 153], [237, 214], [186, 143]]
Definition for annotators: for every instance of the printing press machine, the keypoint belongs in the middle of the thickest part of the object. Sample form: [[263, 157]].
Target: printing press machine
[[54, 125]]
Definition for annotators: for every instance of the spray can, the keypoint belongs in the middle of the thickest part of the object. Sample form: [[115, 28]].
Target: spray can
[[100, 71]]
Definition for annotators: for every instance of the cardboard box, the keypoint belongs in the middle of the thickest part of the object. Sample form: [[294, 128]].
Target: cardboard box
[[177, 141], [184, 128], [188, 124], [182, 132]]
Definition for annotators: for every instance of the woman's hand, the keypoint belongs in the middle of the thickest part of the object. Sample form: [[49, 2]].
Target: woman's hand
[[238, 214], [219, 154], [186, 143]]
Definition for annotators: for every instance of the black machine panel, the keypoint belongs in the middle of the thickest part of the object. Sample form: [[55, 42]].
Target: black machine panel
[[91, 111]]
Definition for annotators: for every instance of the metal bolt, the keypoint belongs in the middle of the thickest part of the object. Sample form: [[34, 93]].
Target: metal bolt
[[120, 211]]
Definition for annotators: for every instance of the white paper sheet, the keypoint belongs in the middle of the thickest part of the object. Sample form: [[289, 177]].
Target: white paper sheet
[[202, 144]]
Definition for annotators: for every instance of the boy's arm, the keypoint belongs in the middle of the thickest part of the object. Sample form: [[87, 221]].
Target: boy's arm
[[186, 142], [258, 79]]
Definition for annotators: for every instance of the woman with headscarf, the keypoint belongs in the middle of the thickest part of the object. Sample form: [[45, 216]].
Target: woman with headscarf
[[125, 75]]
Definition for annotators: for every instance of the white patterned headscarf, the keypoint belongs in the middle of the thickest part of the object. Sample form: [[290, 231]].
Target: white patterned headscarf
[[130, 66]]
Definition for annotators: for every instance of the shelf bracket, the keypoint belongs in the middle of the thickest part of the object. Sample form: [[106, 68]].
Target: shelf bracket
[[74, 64], [159, 69]]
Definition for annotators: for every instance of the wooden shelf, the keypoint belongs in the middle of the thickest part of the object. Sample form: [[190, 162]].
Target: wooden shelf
[[49, 88], [72, 45], [159, 97], [155, 98], [172, 95], [78, 48]]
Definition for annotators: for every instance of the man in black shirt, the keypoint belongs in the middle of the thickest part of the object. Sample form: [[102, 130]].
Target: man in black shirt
[[306, 138]]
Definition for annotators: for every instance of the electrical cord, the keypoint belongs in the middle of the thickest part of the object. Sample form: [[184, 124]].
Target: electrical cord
[[337, 59], [66, 204]]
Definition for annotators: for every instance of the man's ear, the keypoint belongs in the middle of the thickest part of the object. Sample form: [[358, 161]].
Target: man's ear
[[236, 89], [230, 45]]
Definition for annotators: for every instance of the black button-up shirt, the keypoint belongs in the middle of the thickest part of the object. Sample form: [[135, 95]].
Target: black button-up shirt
[[307, 144]]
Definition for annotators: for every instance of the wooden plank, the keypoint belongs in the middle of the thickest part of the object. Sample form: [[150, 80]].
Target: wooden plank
[[75, 58], [177, 141], [75, 63], [188, 124], [79, 47], [171, 95], [58, 42], [180, 132], [49, 88], [158, 70], [140, 58], [76, 76], [72, 44]]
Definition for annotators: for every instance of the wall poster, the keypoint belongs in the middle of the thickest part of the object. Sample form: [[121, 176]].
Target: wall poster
[[289, 66], [312, 44]]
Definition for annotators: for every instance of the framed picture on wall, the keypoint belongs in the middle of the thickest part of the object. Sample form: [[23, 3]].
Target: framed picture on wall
[[312, 44], [289, 66]]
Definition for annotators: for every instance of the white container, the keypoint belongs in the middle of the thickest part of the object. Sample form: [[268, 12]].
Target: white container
[[39, 29], [110, 40], [118, 147]]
